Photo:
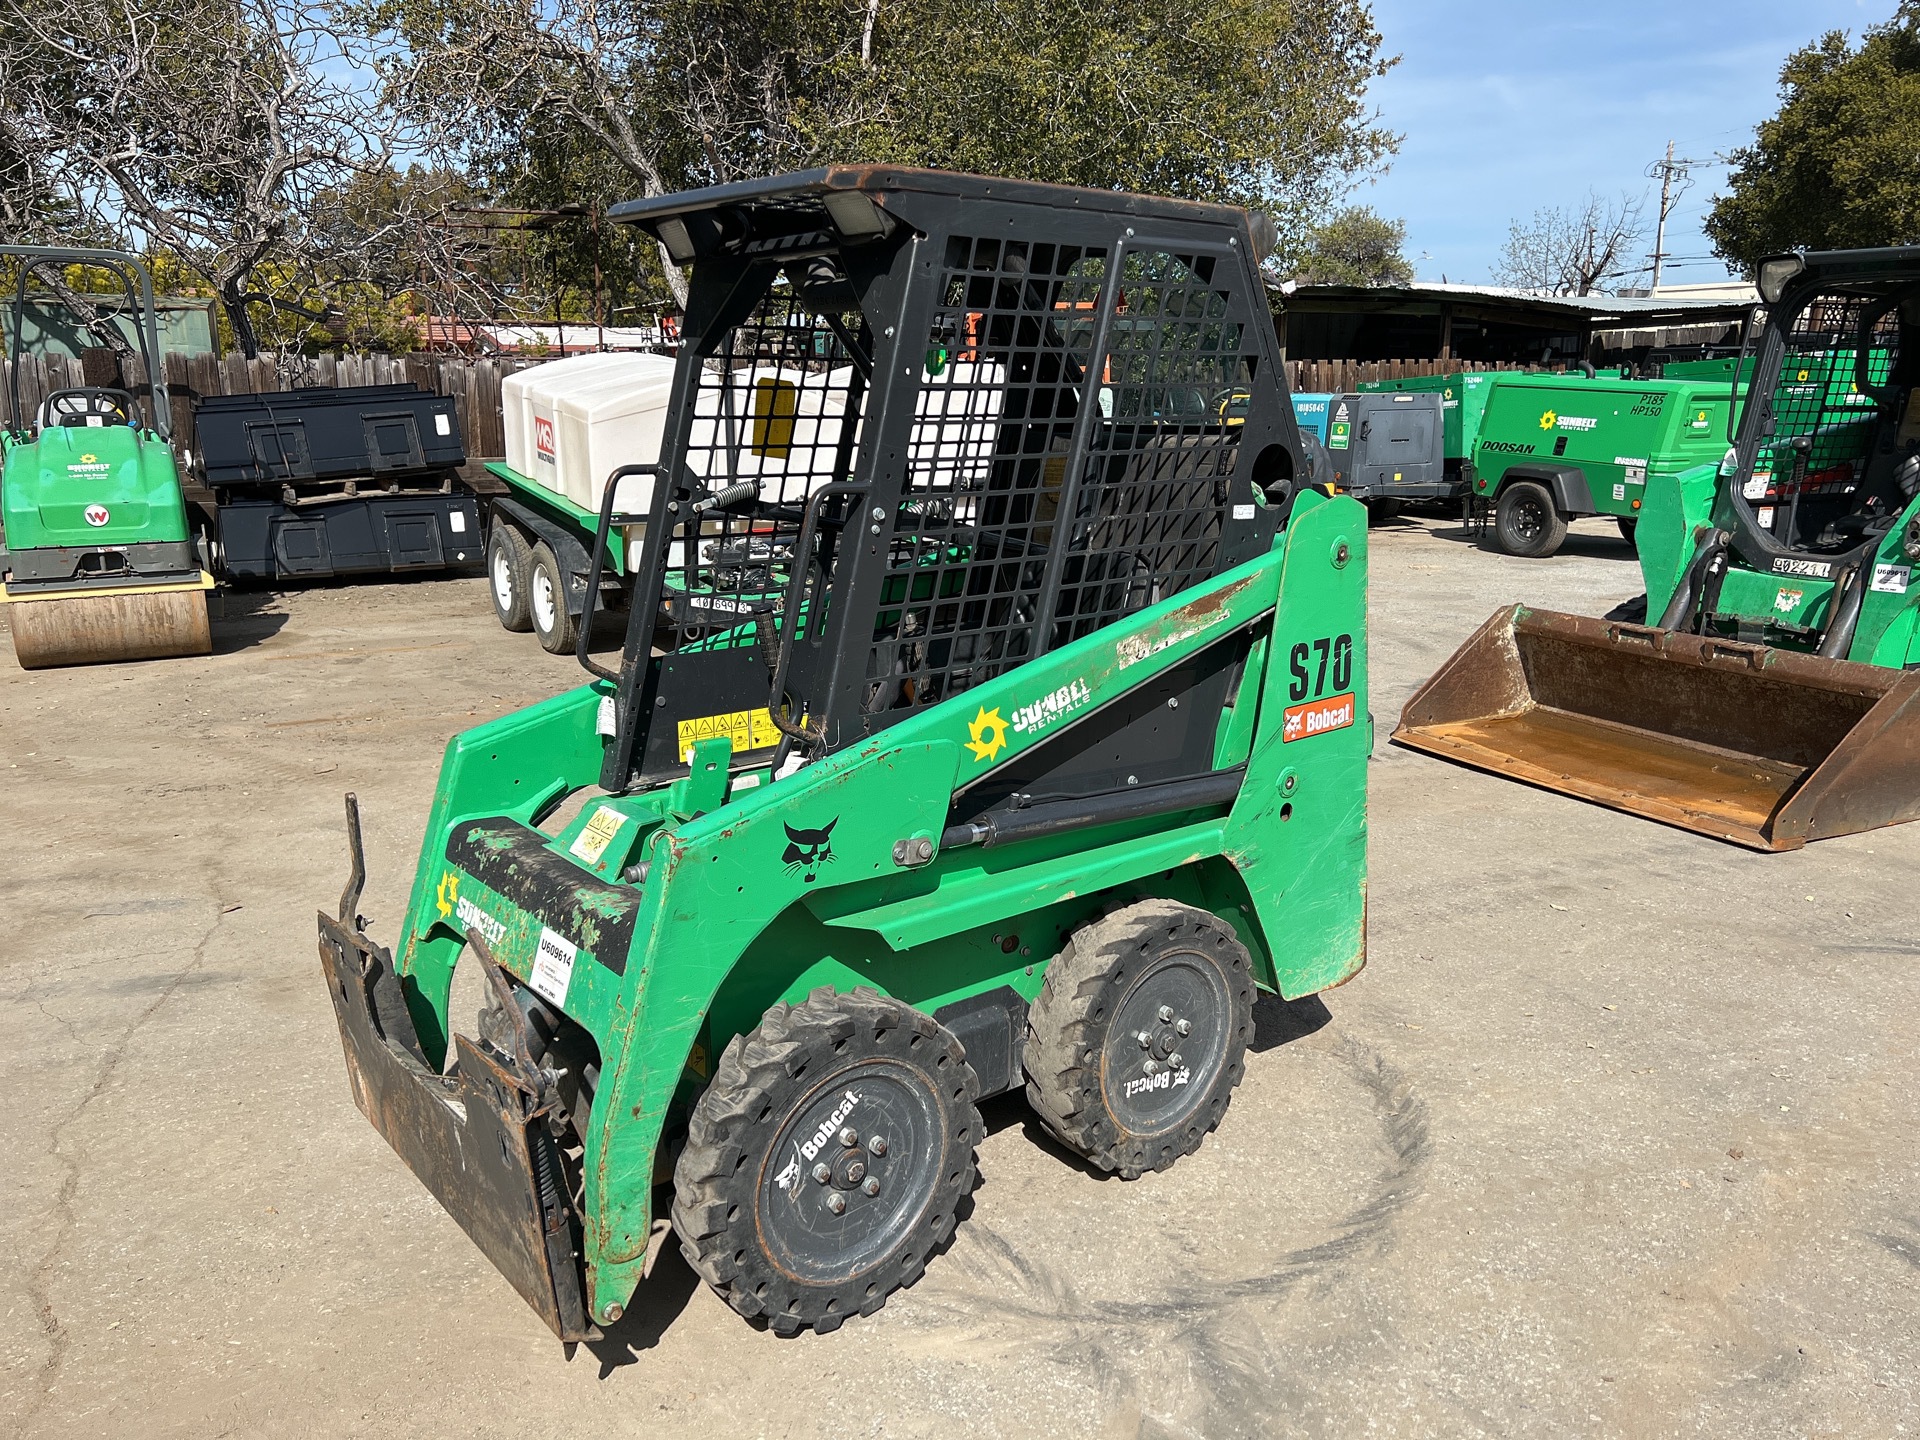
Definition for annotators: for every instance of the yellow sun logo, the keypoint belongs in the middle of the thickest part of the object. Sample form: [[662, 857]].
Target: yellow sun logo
[[89, 459], [989, 734], [448, 893], [1546, 420]]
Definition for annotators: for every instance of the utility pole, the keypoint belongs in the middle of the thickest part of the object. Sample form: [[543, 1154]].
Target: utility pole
[[1673, 184]]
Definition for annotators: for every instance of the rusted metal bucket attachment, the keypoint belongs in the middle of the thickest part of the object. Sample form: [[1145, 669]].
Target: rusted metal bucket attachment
[[477, 1137], [1763, 747]]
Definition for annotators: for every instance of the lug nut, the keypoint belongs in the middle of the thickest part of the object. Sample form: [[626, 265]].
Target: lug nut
[[1183, 1027], [872, 1187], [1152, 1066], [849, 1137], [837, 1203], [855, 1173], [1166, 1014], [878, 1145], [1145, 1039], [1174, 1062], [822, 1172]]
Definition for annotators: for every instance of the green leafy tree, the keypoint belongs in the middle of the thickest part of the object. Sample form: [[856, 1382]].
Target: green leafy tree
[[1839, 165], [1356, 246], [1253, 102]]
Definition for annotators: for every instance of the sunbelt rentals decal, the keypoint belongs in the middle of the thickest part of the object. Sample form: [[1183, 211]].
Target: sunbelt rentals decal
[[1554, 420], [452, 904]]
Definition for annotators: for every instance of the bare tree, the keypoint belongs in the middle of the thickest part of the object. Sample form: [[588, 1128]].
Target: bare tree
[[207, 129], [1577, 250]]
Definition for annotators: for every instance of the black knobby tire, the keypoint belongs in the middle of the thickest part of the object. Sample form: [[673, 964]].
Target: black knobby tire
[[508, 565], [553, 627], [1526, 522], [1123, 1105], [754, 1219], [1627, 524]]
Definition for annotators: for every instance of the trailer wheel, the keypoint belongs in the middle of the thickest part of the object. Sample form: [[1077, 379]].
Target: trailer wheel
[[1526, 522], [547, 602], [827, 1158], [1140, 1034], [508, 564], [1627, 524]]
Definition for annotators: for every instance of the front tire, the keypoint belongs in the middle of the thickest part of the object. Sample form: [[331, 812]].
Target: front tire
[[1526, 522], [1140, 1034], [508, 567], [553, 627], [1627, 524], [825, 1163]]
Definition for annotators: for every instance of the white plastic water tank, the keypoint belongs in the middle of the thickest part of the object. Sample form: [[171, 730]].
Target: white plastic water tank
[[529, 401]]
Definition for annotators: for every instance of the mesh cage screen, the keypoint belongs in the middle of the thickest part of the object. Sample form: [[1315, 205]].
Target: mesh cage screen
[[1819, 396], [997, 554], [779, 404]]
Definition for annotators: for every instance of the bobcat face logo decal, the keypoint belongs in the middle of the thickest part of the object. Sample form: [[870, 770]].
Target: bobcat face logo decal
[[808, 850]]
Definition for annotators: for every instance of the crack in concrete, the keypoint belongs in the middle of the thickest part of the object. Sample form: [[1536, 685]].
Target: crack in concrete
[[40, 1281]]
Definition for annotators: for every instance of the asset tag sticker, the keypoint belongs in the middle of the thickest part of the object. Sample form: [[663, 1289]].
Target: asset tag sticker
[[457, 521], [1316, 717], [591, 843], [443, 425], [1891, 579], [1243, 512], [553, 966], [1620, 492]]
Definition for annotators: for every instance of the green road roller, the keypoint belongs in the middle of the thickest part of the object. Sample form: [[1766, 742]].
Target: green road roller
[[100, 563], [1776, 697], [1020, 739]]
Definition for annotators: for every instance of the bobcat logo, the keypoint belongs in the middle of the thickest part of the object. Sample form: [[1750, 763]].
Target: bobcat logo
[[808, 850]]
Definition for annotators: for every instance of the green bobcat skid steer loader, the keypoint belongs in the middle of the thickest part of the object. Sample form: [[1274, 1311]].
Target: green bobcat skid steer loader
[[1776, 700], [1052, 752], [100, 563]]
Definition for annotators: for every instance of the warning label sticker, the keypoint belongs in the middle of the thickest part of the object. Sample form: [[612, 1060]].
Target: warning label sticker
[[591, 843], [748, 729], [1316, 717]]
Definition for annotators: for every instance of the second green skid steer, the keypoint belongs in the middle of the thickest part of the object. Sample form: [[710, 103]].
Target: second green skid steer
[[1025, 739]]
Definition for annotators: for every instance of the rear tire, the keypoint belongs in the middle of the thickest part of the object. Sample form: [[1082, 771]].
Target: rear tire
[[1526, 522], [837, 1073], [509, 566], [1627, 524], [552, 626], [1127, 1107]]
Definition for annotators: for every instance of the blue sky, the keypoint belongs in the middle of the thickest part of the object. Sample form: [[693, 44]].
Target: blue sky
[[1507, 106]]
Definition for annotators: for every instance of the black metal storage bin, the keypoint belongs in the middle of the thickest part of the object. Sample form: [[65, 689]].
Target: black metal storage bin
[[380, 432]]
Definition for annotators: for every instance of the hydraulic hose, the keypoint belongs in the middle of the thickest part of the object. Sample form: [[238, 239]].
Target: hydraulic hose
[[1852, 593]]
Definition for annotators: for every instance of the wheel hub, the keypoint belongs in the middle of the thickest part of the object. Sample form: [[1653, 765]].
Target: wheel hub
[[1168, 1045], [874, 1135]]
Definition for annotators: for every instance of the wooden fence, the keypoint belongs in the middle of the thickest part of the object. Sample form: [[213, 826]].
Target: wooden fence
[[1336, 376], [475, 383]]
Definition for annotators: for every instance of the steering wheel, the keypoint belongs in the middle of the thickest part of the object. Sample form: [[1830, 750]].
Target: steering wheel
[[88, 405]]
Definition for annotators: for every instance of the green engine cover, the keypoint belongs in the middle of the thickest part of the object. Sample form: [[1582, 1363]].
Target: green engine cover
[[88, 486]]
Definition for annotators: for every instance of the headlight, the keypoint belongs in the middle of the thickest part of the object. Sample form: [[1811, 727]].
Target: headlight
[[1776, 273]]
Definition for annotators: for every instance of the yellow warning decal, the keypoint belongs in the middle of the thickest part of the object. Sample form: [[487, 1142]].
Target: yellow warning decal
[[748, 729], [592, 841]]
